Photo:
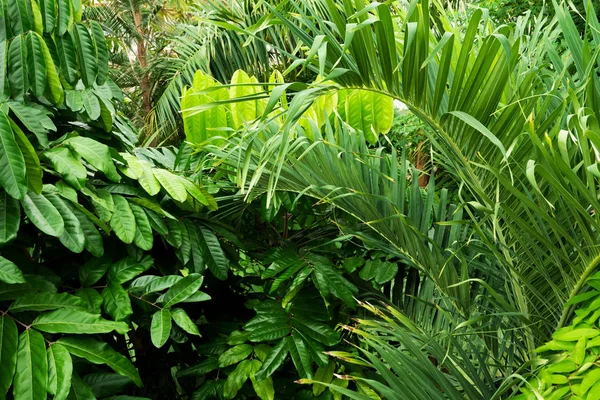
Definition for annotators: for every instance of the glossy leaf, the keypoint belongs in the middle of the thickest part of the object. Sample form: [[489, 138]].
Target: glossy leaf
[[184, 321], [76, 321], [234, 355], [12, 163], [36, 63], [18, 72], [47, 301], [10, 217], [116, 302], [60, 370], [123, 220], [88, 61], [181, 290], [160, 327], [31, 374], [72, 237], [9, 339], [96, 154], [274, 359], [9, 272], [43, 214]]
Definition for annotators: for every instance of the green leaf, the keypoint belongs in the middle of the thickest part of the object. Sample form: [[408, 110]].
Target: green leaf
[[35, 120], [325, 375], [18, 73], [274, 359], [237, 378], [64, 16], [171, 184], [93, 270], [37, 64], [9, 338], [315, 330], [12, 163], [116, 302], [98, 352], [370, 112], [93, 239], [31, 375], [160, 329], [572, 335], [19, 17], [70, 168], [184, 321], [203, 367], [123, 220], [144, 239], [9, 272], [386, 272], [127, 268], [88, 62], [33, 168], [213, 253], [96, 154], [72, 237], [104, 384], [589, 380], [91, 104], [300, 357], [43, 214], [235, 355], [10, 218], [60, 370], [181, 290], [75, 321], [38, 25], [147, 179], [92, 298], [264, 389], [68, 57], [48, 9], [101, 52], [80, 390], [47, 301], [468, 119], [56, 92]]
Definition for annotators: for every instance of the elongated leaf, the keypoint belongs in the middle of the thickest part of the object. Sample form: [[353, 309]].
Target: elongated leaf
[[37, 63], [315, 330], [47, 301], [71, 169], [9, 338], [60, 370], [9, 272], [35, 120], [80, 390], [123, 220], [12, 163], [43, 214], [101, 52], [18, 73], [96, 154], [31, 375], [56, 91], [92, 298], [91, 104], [93, 239], [144, 239], [3, 66], [88, 62], [234, 355], [238, 377], [171, 184], [64, 16], [147, 179], [127, 268], [300, 356], [72, 237], [76, 321], [19, 16], [213, 253], [160, 329], [181, 290], [33, 168], [184, 321], [203, 367], [274, 359], [93, 270], [48, 9], [10, 217], [116, 302], [67, 56], [98, 352]]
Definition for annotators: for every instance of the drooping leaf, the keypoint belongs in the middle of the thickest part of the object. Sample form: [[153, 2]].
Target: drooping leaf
[[235, 355], [37, 64], [213, 253], [181, 290], [12, 163], [147, 179], [101, 52], [48, 9], [43, 214], [64, 16], [18, 73], [72, 237], [264, 389], [47, 301], [31, 374], [116, 302], [33, 169], [123, 220], [56, 91], [34, 119], [60, 370], [93, 239], [93, 270], [88, 61], [76, 321], [19, 16], [10, 217], [80, 390], [184, 321], [203, 367], [237, 378], [144, 239], [91, 104], [9, 338], [325, 375], [274, 359], [68, 57], [127, 268], [171, 184], [9, 272], [96, 154], [160, 327]]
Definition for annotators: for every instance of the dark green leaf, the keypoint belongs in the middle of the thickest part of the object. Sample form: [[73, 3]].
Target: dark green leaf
[[43, 214], [47, 301], [37, 64], [123, 220], [76, 321], [181, 290], [60, 370], [127, 268], [10, 217], [234, 355], [88, 62], [274, 359], [72, 237], [116, 302], [18, 73], [93, 270], [9, 338], [12, 163], [31, 375]]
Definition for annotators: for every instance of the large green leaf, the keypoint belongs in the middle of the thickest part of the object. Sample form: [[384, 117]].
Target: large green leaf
[[88, 62], [127, 268], [19, 16], [116, 302], [91, 104], [300, 356], [93, 270], [244, 111], [65, 18], [36, 63], [144, 239], [370, 112], [35, 119], [147, 179], [234, 355], [32, 162], [213, 253], [12, 164], [60, 370], [31, 375], [9, 338], [95, 153], [43, 214], [72, 237], [56, 91], [10, 217], [181, 290], [171, 184], [93, 239], [3, 66], [160, 328], [274, 359], [123, 220], [76, 321], [48, 10], [238, 377], [9, 272], [98, 352], [184, 321], [101, 52], [316, 330], [71, 169], [68, 57], [18, 72], [47, 301], [80, 390]]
